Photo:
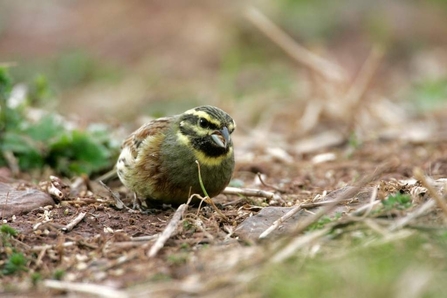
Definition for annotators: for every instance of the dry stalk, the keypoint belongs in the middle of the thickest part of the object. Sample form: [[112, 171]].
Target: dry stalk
[[251, 193], [294, 243], [317, 64], [360, 84], [209, 201], [351, 192], [419, 175], [48, 246], [277, 223], [92, 289], [427, 206], [169, 230], [259, 175], [74, 222], [298, 243], [370, 205], [118, 203]]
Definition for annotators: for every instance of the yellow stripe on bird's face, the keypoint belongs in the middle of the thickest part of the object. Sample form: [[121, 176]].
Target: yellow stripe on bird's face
[[203, 114], [201, 157]]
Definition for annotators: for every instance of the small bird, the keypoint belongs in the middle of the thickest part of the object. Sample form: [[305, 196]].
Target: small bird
[[158, 160]]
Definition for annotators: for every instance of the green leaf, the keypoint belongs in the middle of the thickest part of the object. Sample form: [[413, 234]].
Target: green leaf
[[398, 201], [23, 148], [77, 152], [15, 263], [44, 130]]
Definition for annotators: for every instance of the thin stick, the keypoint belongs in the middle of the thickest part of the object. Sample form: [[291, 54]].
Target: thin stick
[[342, 196], [427, 206], [251, 193], [319, 65], [268, 185], [371, 204], [209, 201], [97, 290], [118, 203], [48, 246], [144, 238], [291, 213], [74, 222], [419, 175], [297, 243], [279, 221], [168, 231], [361, 82]]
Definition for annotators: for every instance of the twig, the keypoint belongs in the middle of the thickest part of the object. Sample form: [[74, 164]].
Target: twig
[[297, 243], [144, 238], [48, 246], [292, 212], [168, 231], [269, 185], [251, 193], [419, 175], [321, 66], [74, 222], [365, 75], [342, 197], [370, 205], [210, 202], [427, 206], [279, 221], [118, 203], [93, 289]]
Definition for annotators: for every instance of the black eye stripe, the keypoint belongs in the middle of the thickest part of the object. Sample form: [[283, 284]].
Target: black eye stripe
[[207, 124], [215, 118]]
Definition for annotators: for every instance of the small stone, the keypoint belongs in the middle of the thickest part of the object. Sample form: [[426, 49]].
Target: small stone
[[253, 226], [15, 201]]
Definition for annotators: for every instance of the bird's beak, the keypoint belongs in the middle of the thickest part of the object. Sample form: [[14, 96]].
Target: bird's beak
[[221, 137]]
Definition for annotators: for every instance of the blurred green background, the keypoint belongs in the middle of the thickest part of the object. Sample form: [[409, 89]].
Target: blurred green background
[[116, 60]]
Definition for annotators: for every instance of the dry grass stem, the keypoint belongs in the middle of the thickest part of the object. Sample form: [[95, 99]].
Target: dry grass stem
[[249, 192], [279, 221], [368, 207], [168, 231], [209, 201], [297, 243], [144, 238], [92, 289], [423, 209], [118, 203], [362, 80], [74, 222], [351, 192], [259, 175], [319, 65], [47, 246], [419, 175]]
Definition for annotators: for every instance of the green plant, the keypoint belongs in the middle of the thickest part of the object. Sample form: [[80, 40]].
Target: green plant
[[36, 277], [397, 201], [7, 230], [48, 141], [15, 264], [322, 222], [58, 274]]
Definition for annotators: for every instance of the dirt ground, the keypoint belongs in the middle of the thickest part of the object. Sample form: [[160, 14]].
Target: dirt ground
[[110, 246], [353, 101]]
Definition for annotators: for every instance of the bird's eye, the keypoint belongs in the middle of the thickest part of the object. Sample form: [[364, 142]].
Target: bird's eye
[[204, 123]]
